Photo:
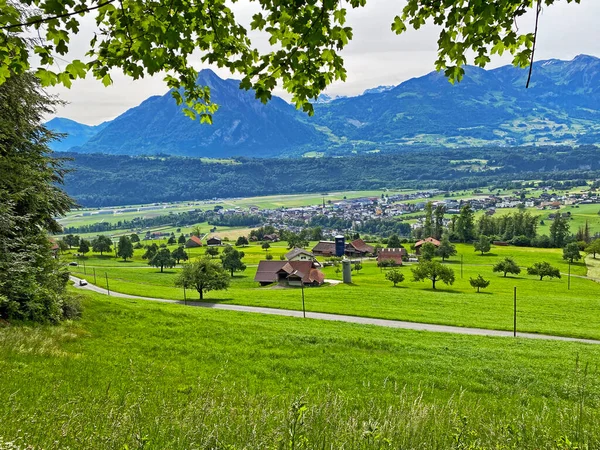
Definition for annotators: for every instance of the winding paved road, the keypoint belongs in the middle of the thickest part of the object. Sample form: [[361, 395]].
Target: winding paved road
[[343, 318]]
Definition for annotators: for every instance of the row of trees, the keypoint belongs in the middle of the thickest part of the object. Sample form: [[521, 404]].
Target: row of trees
[[435, 271]]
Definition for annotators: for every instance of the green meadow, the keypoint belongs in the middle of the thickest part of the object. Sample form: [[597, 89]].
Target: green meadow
[[143, 375], [547, 306]]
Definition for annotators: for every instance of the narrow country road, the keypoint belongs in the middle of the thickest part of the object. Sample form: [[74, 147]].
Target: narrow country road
[[343, 318]]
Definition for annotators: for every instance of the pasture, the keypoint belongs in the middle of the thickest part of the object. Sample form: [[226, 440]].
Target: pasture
[[143, 375], [547, 306]]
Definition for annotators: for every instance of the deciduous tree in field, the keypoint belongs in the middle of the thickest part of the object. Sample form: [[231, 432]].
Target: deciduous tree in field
[[543, 269], [593, 248], [181, 239], [125, 248], [479, 282], [465, 224], [232, 260], [266, 246], [559, 231], [179, 254], [395, 276], [394, 241], [101, 244], [204, 275], [212, 251], [73, 241], [446, 249], [434, 271], [134, 238], [162, 259], [483, 244], [571, 252], [172, 240], [507, 265], [63, 246], [299, 240], [84, 246], [428, 251], [242, 241], [151, 250]]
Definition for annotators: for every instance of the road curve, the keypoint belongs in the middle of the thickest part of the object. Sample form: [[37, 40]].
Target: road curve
[[417, 326]]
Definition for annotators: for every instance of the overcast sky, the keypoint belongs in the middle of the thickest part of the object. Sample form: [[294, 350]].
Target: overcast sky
[[375, 56]]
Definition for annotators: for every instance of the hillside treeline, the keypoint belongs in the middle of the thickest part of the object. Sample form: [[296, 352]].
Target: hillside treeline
[[103, 180]]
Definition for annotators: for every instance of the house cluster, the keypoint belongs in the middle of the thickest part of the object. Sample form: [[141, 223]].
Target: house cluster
[[354, 211]]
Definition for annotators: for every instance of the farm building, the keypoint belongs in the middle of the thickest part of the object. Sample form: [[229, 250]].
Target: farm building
[[299, 254], [292, 273], [193, 241], [422, 241], [392, 254], [214, 240], [324, 248], [358, 247], [355, 248]]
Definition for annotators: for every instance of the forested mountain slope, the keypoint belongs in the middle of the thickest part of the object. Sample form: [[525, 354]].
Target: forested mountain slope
[[489, 107]]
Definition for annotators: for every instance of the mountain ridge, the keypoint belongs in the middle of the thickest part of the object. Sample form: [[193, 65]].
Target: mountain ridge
[[488, 107]]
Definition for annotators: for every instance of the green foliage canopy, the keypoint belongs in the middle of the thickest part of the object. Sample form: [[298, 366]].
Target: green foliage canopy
[[428, 250], [395, 276], [506, 266], [162, 259], [483, 244], [204, 275], [231, 259], [32, 282], [125, 248], [179, 254], [543, 269], [571, 252], [446, 249], [101, 244], [479, 282], [434, 271]]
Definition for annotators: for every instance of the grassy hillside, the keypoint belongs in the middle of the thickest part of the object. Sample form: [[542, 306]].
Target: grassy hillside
[[543, 306], [133, 375]]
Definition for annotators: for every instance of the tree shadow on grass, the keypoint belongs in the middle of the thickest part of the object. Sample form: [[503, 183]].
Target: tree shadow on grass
[[443, 291], [206, 300], [486, 255]]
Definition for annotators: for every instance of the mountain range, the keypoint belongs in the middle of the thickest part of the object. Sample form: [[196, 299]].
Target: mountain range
[[488, 107]]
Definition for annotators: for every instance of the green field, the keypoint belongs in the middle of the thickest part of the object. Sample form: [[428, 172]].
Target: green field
[[143, 375], [547, 306]]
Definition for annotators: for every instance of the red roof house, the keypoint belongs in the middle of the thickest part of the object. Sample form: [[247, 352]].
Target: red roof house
[[423, 241], [193, 241]]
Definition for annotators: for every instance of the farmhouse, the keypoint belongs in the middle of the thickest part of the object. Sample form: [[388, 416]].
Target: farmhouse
[[193, 241], [392, 254], [214, 240], [299, 254], [292, 273], [423, 241]]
